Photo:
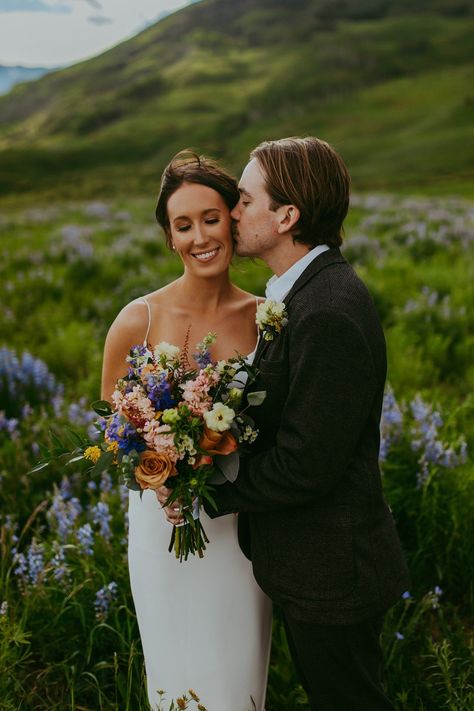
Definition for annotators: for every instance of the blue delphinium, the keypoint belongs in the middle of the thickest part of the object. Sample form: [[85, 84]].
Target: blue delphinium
[[159, 391], [124, 433]]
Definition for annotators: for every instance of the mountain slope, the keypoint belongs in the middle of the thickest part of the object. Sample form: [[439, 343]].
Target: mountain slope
[[9, 76], [390, 88]]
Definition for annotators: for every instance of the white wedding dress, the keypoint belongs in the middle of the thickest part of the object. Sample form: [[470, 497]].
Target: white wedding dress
[[204, 624]]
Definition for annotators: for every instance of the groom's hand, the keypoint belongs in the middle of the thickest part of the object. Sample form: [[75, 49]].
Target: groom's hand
[[174, 512]]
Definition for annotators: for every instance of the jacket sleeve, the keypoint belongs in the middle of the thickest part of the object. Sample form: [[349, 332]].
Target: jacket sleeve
[[330, 395]]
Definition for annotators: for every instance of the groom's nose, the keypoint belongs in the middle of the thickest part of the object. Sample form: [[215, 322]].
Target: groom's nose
[[235, 213]]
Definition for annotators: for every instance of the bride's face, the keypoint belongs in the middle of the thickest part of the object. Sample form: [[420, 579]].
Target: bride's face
[[200, 227]]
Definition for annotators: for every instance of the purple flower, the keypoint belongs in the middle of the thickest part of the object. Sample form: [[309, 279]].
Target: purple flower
[[105, 482], [406, 595], [125, 434], [85, 538], [102, 518], [25, 382], [63, 514], [159, 391], [58, 562], [399, 635], [103, 599]]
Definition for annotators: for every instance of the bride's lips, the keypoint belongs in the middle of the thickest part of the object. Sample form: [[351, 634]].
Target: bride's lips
[[206, 256]]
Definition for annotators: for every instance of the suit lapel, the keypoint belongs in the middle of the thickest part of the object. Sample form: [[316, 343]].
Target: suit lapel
[[330, 256]]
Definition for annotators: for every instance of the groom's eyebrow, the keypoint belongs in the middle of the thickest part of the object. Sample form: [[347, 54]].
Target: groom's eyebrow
[[245, 192]]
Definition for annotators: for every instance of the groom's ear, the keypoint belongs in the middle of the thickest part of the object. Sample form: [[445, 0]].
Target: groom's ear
[[287, 217]]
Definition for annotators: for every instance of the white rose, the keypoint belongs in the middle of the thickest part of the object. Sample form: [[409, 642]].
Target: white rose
[[166, 350], [219, 418]]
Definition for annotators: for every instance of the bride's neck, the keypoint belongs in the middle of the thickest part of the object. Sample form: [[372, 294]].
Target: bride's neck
[[203, 294]]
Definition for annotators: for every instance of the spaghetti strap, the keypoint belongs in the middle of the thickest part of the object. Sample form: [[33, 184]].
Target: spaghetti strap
[[145, 342]]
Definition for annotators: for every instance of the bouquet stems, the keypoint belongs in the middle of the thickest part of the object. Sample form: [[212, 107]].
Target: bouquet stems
[[189, 537]]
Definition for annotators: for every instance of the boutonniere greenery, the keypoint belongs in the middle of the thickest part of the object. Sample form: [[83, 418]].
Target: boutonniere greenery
[[271, 318]]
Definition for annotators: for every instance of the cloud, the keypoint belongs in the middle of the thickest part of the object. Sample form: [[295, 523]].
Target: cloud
[[93, 3], [99, 20], [33, 6]]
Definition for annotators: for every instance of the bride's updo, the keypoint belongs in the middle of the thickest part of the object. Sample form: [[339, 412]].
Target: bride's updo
[[188, 167]]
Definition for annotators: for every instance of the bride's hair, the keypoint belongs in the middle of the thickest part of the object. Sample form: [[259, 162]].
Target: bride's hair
[[189, 167]]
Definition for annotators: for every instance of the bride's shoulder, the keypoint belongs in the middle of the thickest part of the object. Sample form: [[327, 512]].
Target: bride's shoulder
[[130, 324], [249, 300]]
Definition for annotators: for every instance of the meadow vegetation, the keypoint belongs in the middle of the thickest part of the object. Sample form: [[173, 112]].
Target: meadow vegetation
[[69, 636], [389, 84]]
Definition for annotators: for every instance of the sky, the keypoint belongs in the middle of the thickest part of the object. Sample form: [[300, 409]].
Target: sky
[[53, 33]]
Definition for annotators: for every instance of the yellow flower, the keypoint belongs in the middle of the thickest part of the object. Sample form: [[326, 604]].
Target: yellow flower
[[113, 447], [93, 453]]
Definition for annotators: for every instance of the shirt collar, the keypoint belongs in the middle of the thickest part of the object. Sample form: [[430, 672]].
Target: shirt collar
[[278, 287]]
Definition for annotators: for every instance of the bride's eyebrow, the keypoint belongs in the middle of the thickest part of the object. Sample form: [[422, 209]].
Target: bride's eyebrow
[[204, 212]]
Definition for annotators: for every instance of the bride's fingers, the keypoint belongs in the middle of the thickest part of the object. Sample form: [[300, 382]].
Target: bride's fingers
[[173, 515], [162, 494]]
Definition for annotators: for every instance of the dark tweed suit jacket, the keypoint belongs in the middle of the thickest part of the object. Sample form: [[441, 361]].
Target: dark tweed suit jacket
[[314, 521]]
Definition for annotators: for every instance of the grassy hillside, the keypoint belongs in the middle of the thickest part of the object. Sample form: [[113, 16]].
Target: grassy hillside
[[388, 83]]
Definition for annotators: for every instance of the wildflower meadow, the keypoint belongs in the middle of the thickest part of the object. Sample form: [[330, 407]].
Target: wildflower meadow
[[68, 631]]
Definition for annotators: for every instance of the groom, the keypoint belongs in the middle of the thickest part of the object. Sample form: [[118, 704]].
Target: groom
[[314, 521]]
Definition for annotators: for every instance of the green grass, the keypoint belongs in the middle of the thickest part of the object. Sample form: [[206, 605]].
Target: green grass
[[67, 269], [392, 91]]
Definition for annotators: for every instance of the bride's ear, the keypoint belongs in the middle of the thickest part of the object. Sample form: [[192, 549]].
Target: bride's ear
[[287, 218]]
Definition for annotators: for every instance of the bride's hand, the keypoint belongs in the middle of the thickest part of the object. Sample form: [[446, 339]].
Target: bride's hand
[[173, 513]]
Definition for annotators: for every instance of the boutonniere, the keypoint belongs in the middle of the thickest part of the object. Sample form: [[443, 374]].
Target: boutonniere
[[271, 318]]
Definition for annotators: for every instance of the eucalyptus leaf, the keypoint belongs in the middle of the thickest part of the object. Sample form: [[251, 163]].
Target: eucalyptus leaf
[[39, 467], [75, 459], [256, 398], [74, 437], [208, 496], [102, 407], [102, 463]]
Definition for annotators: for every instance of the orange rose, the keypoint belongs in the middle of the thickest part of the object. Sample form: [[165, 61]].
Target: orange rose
[[154, 469], [218, 442]]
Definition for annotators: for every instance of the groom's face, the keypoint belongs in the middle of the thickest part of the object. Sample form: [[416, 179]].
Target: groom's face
[[255, 224]]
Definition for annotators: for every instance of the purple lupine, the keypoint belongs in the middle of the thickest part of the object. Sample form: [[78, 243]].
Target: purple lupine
[[24, 380], [85, 538], [104, 597], [106, 483], [21, 569], [61, 570], [35, 560], [391, 423], [102, 518], [63, 514], [426, 441], [80, 414]]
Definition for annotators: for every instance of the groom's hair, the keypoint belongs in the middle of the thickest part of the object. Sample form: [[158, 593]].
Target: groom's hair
[[189, 167], [307, 173]]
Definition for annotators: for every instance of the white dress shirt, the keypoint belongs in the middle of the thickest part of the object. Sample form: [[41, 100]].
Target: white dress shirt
[[279, 287]]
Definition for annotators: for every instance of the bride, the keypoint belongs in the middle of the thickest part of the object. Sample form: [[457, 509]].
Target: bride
[[204, 623]]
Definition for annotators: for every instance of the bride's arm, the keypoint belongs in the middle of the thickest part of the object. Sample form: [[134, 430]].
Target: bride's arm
[[127, 330]]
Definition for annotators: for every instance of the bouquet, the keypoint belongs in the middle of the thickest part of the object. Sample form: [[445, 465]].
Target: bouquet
[[165, 425]]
